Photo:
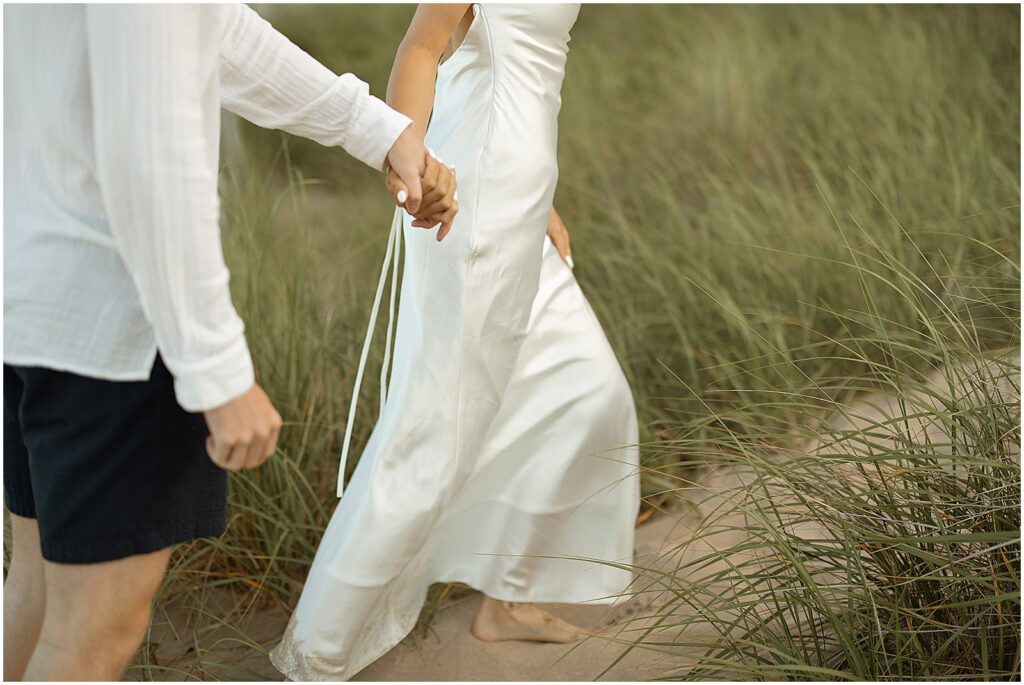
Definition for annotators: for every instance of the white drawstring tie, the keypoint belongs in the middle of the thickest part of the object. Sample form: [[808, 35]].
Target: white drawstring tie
[[391, 258]]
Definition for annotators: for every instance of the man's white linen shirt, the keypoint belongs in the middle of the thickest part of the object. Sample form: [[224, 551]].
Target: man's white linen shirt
[[111, 152]]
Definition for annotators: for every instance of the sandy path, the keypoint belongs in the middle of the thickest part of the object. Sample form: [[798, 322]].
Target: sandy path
[[449, 652]]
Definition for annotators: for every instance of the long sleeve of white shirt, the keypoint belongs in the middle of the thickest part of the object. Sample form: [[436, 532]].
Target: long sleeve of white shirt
[[273, 83], [152, 68]]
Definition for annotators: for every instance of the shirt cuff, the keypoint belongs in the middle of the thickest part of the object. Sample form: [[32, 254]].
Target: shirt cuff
[[374, 131], [216, 381]]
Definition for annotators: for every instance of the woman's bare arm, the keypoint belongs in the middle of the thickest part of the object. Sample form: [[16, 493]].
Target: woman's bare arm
[[411, 92], [411, 86]]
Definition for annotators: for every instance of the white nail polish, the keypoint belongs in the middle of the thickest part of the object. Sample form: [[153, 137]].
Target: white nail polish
[[402, 197], [568, 258]]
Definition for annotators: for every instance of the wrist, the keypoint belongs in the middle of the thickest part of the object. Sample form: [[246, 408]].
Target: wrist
[[377, 131], [211, 383], [408, 150]]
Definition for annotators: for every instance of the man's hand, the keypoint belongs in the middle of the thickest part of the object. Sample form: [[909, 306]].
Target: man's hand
[[408, 160], [243, 432], [438, 205]]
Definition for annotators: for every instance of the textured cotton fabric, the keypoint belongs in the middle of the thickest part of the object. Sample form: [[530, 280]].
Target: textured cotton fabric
[[108, 469], [111, 135]]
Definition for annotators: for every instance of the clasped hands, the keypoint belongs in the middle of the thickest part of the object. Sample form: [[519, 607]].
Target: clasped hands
[[435, 202]]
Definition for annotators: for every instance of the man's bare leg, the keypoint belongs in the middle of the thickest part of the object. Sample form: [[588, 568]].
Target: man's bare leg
[[24, 597], [96, 617]]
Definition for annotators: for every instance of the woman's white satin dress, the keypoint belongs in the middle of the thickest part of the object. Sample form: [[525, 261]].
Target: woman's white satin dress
[[505, 454]]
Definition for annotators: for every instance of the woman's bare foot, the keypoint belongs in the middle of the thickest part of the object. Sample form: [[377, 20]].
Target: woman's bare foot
[[496, 621]]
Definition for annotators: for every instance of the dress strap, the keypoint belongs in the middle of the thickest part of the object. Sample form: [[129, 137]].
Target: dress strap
[[391, 259]]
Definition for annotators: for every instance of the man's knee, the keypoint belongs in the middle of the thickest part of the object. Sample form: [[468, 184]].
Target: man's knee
[[97, 622], [108, 605], [127, 627]]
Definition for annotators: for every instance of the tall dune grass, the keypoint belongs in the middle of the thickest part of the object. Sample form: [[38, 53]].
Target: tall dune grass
[[877, 541], [774, 209]]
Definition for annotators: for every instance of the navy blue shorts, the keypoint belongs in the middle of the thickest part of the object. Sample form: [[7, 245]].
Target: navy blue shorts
[[108, 469]]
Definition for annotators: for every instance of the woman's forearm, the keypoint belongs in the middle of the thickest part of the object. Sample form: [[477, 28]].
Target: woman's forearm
[[411, 86]]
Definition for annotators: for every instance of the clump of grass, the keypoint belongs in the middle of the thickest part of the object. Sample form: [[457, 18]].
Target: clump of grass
[[885, 546]]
